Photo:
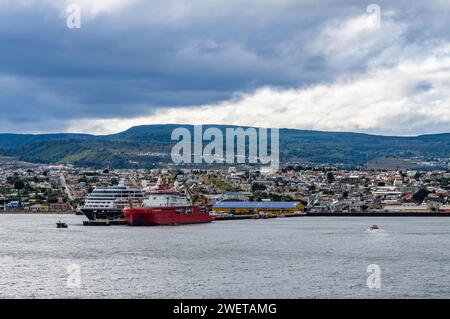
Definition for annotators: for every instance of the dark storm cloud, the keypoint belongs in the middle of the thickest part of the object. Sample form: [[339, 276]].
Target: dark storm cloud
[[127, 60]]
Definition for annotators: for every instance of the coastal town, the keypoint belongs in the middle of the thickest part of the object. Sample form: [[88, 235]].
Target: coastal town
[[232, 190]]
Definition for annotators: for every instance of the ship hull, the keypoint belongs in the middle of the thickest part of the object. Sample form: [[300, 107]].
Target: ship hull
[[98, 214], [154, 216]]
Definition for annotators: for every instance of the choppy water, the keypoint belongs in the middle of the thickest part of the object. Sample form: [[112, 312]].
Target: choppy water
[[277, 258]]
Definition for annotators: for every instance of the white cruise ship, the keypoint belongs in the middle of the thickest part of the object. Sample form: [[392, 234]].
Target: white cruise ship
[[108, 202]]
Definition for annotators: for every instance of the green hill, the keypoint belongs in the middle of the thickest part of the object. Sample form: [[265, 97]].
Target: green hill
[[147, 145]]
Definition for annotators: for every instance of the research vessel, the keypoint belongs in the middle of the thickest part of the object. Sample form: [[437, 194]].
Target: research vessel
[[165, 207]]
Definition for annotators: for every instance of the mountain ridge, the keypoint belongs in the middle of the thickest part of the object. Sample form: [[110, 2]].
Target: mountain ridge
[[149, 145]]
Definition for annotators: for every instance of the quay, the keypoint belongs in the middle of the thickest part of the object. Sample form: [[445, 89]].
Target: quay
[[255, 216], [380, 214], [104, 222]]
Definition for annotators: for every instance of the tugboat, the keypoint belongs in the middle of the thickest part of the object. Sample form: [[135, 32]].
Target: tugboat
[[60, 224], [165, 207], [374, 227]]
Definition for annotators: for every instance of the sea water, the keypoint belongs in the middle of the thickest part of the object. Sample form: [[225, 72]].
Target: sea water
[[304, 257]]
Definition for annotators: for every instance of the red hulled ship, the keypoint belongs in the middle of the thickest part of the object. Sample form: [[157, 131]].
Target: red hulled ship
[[165, 207]]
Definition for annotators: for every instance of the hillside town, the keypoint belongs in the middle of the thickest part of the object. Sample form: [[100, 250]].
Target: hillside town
[[39, 188]]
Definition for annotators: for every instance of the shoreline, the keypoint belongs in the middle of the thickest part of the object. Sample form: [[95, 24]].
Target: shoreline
[[241, 217], [22, 212], [379, 214]]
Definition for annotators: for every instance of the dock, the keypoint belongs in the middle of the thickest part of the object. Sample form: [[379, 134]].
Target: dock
[[256, 216], [104, 222], [380, 214]]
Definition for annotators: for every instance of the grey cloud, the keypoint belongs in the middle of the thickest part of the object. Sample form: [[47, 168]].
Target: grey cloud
[[154, 54]]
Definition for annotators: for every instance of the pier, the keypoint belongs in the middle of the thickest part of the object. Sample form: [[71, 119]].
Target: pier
[[104, 222], [255, 216]]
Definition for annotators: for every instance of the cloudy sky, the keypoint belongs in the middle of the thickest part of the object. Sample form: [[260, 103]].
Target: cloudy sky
[[322, 65]]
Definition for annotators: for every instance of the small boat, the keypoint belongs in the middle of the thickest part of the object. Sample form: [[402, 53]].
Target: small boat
[[61, 225], [374, 227]]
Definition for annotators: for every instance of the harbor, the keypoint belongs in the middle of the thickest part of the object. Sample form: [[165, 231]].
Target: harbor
[[224, 156], [174, 196]]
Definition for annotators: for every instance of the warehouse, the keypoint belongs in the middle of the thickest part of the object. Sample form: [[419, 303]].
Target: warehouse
[[249, 208]]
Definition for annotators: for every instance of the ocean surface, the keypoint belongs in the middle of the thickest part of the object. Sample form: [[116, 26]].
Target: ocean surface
[[306, 257]]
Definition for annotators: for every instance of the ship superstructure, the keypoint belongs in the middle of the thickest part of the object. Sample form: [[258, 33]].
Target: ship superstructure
[[108, 202]]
